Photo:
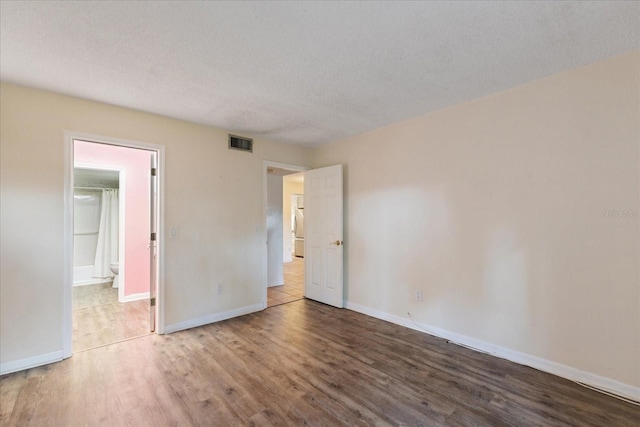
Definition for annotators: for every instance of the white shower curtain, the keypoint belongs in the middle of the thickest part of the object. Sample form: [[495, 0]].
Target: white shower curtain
[[107, 249]]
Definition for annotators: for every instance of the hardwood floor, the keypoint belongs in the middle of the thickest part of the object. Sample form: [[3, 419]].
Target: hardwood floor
[[293, 288], [301, 363], [99, 319]]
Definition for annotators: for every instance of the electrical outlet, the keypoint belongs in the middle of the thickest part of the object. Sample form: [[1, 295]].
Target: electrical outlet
[[419, 296], [220, 288]]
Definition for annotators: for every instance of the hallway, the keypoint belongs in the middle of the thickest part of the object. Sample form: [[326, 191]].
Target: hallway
[[293, 288]]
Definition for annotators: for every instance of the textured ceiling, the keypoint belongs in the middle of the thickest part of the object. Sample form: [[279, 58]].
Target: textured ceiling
[[302, 72]]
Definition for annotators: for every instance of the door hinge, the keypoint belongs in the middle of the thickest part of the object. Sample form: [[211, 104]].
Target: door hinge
[[153, 237], [153, 302], [153, 171]]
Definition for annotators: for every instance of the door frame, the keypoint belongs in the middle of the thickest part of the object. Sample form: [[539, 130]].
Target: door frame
[[67, 288], [266, 164]]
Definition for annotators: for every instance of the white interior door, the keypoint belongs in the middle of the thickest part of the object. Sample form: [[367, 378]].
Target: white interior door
[[323, 235]]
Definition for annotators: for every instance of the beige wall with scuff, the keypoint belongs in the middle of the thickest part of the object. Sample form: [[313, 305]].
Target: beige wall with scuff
[[516, 215], [213, 197]]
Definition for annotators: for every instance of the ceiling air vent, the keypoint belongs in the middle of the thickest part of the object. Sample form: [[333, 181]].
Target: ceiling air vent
[[241, 143]]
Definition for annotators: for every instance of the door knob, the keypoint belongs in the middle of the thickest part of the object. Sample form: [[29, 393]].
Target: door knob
[[337, 242]]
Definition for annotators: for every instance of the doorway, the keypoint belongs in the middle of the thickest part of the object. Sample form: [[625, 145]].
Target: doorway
[[284, 207], [111, 248]]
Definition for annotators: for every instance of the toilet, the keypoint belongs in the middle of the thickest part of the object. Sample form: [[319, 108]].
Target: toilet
[[115, 269]]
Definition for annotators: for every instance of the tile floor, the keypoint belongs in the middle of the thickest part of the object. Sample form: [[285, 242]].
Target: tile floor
[[293, 288]]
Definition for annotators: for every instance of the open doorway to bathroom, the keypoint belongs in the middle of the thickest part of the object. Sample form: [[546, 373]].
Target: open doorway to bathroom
[[285, 235], [111, 246]]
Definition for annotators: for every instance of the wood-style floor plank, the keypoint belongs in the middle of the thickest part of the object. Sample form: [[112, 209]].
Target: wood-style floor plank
[[99, 319], [301, 363]]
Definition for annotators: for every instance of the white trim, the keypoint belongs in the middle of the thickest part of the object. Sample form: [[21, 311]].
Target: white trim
[[564, 371], [160, 291], [279, 283], [30, 362], [92, 282], [135, 297], [67, 318], [212, 318], [285, 166], [67, 251], [265, 259]]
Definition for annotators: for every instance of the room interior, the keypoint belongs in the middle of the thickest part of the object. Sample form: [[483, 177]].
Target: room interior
[[491, 158]]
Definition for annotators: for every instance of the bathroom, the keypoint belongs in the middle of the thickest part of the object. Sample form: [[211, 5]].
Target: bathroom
[[111, 270], [96, 223]]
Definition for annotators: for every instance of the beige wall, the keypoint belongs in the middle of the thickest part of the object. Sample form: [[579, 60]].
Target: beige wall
[[213, 195], [500, 211]]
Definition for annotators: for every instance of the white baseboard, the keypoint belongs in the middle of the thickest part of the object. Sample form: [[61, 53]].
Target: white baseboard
[[92, 282], [275, 284], [30, 362], [216, 317], [568, 372], [135, 297]]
